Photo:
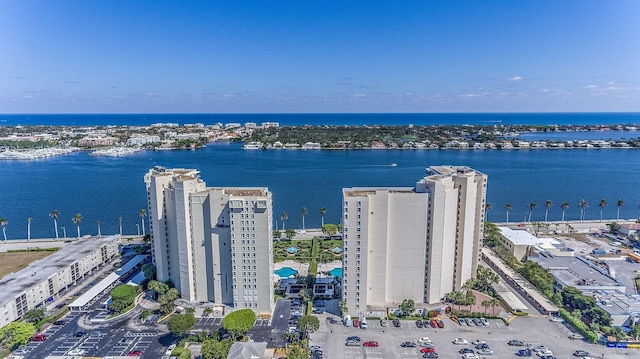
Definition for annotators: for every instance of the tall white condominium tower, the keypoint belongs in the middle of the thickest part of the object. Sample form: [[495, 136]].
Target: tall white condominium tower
[[213, 243], [412, 243]]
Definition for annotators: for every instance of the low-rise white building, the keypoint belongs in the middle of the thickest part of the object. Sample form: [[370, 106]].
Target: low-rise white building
[[42, 280], [142, 140]]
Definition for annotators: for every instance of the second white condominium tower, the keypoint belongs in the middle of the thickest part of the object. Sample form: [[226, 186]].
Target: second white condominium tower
[[412, 243], [213, 243]]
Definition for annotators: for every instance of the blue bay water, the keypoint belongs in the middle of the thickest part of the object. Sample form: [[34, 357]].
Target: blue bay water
[[327, 119], [104, 188]]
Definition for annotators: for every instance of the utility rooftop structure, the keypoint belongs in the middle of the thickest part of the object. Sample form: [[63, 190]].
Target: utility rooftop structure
[[213, 243], [45, 278], [412, 243]]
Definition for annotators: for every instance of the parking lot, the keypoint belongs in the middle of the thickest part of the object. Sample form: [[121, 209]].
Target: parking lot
[[533, 331]]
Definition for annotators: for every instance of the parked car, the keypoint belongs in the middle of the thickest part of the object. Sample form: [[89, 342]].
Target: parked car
[[581, 353], [433, 323], [427, 345], [384, 323], [524, 353], [356, 323], [466, 350], [396, 323], [38, 338], [419, 323], [408, 345], [515, 343], [484, 321], [427, 350], [477, 322], [432, 355], [575, 336], [459, 341], [59, 322], [79, 334], [363, 324], [468, 321], [461, 321], [424, 340], [479, 341], [485, 351], [371, 343], [134, 353], [440, 323], [352, 343], [21, 351], [556, 319], [77, 351]]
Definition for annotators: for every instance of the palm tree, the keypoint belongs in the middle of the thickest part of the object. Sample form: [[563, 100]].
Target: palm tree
[[322, 212], [120, 220], [494, 303], [29, 229], [547, 205], [142, 214], [487, 208], [507, 207], [303, 212], [54, 214], [603, 203], [619, 204], [98, 223], [76, 219], [583, 206], [3, 224], [486, 304], [283, 218], [532, 206], [564, 207]]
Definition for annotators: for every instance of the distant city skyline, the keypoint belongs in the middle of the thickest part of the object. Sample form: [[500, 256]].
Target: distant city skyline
[[322, 56]]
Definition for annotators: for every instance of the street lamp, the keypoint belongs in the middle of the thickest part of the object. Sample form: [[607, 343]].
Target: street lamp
[[137, 225], [64, 230]]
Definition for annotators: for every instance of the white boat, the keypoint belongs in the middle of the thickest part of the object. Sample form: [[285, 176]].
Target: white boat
[[254, 145], [115, 151], [394, 165]]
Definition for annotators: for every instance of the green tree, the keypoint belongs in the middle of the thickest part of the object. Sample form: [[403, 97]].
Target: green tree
[[532, 206], [491, 234], [603, 203], [618, 333], [486, 304], [564, 207], [547, 204], [307, 324], [323, 211], [485, 278], [77, 219], [613, 227], [408, 306], [277, 234], [142, 213], [583, 206], [619, 204], [239, 322], [329, 229], [487, 208], [149, 270], [166, 300], [122, 297], [3, 224], [34, 315], [344, 310], [507, 207], [17, 334], [290, 233], [283, 218], [213, 349], [303, 212], [181, 324], [54, 214], [298, 352]]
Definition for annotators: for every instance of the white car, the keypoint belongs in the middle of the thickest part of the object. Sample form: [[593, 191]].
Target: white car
[[556, 319], [459, 341], [76, 352], [485, 351], [545, 353], [479, 341], [424, 340]]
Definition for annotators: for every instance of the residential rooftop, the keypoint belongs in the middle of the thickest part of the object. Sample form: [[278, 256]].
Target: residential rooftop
[[40, 270]]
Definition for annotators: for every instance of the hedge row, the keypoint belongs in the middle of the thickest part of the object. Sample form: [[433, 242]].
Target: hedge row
[[578, 325]]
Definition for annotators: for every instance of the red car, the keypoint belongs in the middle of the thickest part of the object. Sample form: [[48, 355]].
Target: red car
[[434, 323], [427, 350], [356, 323], [134, 353], [38, 338], [370, 343]]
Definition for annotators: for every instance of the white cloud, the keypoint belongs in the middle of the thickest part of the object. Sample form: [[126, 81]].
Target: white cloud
[[591, 87], [515, 78]]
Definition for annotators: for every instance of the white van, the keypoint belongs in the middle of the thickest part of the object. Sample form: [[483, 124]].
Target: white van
[[363, 324]]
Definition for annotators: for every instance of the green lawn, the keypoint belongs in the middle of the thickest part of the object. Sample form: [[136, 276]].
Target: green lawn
[[304, 255]]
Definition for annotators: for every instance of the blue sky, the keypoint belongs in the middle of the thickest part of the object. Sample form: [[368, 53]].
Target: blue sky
[[319, 56]]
